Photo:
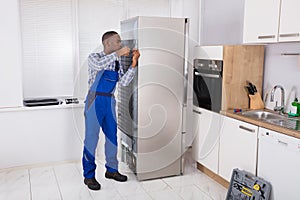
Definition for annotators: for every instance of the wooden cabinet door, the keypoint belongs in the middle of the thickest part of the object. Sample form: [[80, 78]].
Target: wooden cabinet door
[[238, 147], [289, 29], [261, 21]]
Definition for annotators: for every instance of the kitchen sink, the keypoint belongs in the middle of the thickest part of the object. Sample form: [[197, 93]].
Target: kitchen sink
[[262, 115], [287, 123], [273, 118]]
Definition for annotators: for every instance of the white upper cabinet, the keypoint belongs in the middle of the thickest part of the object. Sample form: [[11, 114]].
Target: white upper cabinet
[[289, 29], [261, 21], [271, 21]]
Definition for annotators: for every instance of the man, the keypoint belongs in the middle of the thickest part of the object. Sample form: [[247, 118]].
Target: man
[[104, 72]]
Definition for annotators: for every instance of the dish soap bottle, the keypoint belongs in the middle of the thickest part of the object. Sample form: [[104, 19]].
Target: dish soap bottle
[[294, 112]]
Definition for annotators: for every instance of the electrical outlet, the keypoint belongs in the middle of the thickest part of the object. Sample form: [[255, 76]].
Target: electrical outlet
[[71, 100]]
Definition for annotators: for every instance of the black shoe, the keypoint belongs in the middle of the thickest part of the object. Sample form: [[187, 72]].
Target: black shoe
[[92, 183], [116, 176]]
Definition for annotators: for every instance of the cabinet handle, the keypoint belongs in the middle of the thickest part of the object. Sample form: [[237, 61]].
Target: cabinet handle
[[284, 143], [265, 36], [247, 129], [290, 35], [198, 112], [290, 54]]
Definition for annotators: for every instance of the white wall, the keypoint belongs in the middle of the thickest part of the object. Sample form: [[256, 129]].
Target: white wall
[[221, 22], [95, 17], [282, 70], [159, 8], [11, 55], [41, 135]]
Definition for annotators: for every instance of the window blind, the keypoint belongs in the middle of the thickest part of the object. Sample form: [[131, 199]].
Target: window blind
[[48, 38]]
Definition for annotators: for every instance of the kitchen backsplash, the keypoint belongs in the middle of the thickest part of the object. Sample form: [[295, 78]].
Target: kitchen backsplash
[[282, 70]]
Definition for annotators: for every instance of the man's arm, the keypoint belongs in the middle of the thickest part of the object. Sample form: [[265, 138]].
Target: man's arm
[[129, 75], [101, 63]]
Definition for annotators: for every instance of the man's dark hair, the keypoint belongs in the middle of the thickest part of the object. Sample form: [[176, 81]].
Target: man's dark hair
[[107, 35]]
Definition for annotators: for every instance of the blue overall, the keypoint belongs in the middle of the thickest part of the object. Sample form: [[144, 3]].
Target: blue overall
[[100, 112]]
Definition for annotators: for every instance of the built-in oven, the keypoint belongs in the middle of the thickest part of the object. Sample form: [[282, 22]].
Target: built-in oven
[[207, 84]]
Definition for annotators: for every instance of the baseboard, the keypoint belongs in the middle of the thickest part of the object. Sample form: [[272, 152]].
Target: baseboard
[[212, 175]]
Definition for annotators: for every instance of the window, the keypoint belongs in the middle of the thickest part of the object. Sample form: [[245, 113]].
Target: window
[[48, 38]]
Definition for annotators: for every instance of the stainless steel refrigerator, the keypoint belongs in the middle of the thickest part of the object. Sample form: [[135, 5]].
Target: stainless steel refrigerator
[[151, 110]]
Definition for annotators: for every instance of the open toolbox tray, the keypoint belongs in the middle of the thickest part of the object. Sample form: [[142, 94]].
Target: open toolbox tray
[[245, 186]]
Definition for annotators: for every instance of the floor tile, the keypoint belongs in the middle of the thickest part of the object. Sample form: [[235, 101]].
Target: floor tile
[[213, 189], [71, 183], [179, 181], [164, 194], [192, 193], [15, 185], [43, 184], [200, 179], [106, 193], [141, 196], [65, 182], [131, 187], [154, 185]]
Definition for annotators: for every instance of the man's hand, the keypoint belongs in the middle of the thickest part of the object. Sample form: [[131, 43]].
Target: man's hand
[[124, 51], [135, 57]]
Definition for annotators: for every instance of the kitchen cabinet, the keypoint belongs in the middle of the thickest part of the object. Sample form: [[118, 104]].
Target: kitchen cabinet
[[271, 21], [206, 128], [194, 132], [238, 147], [279, 163], [261, 19], [11, 94], [289, 29]]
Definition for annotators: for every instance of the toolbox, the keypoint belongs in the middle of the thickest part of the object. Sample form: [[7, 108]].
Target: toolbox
[[245, 186]]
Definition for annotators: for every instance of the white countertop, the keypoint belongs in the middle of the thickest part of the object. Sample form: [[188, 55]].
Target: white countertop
[[60, 106]]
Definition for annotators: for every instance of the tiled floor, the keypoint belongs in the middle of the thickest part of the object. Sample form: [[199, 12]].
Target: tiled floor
[[65, 182]]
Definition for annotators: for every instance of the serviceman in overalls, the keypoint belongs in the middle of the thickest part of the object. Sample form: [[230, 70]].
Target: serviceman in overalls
[[104, 72]]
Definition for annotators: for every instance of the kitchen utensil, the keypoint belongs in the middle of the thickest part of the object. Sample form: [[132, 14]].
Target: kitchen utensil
[[253, 87], [249, 89]]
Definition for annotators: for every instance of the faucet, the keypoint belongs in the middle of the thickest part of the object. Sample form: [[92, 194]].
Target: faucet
[[281, 107]]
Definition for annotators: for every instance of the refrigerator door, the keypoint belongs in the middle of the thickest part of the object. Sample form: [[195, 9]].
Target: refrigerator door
[[160, 96]]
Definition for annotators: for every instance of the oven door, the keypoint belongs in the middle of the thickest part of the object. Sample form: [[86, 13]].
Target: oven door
[[207, 89]]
